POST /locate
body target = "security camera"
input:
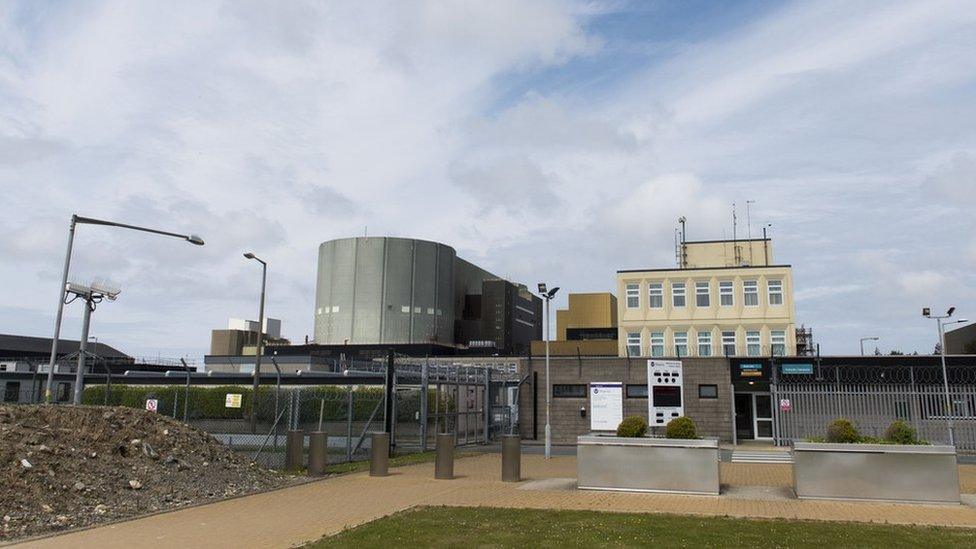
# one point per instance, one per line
(950, 311)
(926, 311)
(110, 292)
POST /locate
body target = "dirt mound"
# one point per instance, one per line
(63, 467)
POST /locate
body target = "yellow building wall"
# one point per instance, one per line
(723, 253)
(590, 310)
(591, 347)
(714, 318)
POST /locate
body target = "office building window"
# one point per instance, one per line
(726, 297)
(708, 391)
(702, 297)
(678, 294)
(633, 296)
(655, 295)
(775, 291)
(728, 343)
(750, 293)
(657, 343)
(681, 344)
(777, 340)
(569, 391)
(633, 344)
(637, 391)
(704, 344)
(753, 347)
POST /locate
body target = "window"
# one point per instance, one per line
(728, 343)
(681, 344)
(752, 344)
(678, 294)
(335, 308)
(775, 288)
(702, 297)
(708, 391)
(657, 343)
(637, 391)
(633, 296)
(633, 344)
(655, 295)
(726, 297)
(569, 391)
(704, 344)
(417, 310)
(405, 308)
(750, 293)
(777, 340)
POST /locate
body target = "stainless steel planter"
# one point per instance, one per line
(647, 464)
(876, 472)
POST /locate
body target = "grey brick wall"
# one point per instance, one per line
(712, 416)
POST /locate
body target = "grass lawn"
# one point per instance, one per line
(524, 528)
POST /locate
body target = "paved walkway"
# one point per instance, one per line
(293, 516)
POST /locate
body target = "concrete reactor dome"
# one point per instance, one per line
(385, 290)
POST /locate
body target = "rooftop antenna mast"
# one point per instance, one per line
(749, 227)
(735, 239)
(682, 255)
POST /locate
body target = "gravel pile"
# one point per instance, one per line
(63, 467)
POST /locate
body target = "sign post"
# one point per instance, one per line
(606, 406)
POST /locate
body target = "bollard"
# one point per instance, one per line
(444, 466)
(294, 450)
(317, 453)
(379, 454)
(511, 458)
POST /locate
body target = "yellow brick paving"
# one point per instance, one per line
(293, 516)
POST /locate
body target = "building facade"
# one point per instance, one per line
(719, 302)
(587, 327)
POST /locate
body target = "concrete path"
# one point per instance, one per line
(296, 515)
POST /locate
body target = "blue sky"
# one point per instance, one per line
(275, 127)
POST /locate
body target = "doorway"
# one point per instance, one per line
(753, 416)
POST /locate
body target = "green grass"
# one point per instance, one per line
(395, 461)
(524, 528)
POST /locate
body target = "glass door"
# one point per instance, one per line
(763, 415)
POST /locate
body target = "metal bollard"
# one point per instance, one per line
(379, 454)
(511, 458)
(444, 466)
(317, 453)
(294, 450)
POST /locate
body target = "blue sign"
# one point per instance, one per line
(750, 370)
(805, 368)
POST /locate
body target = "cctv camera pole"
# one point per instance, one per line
(548, 386)
(75, 219)
(945, 382)
(82, 350)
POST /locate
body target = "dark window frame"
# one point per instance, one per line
(636, 386)
(710, 385)
(580, 388)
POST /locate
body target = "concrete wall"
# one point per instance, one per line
(712, 416)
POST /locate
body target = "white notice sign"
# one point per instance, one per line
(152, 404)
(232, 400)
(606, 406)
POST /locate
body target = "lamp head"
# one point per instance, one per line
(195, 239)
(552, 292)
(926, 311)
(249, 255)
(950, 311)
(542, 287)
(963, 320)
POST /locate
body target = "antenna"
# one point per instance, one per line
(682, 255)
(749, 217)
(735, 239)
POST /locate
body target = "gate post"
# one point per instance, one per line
(487, 404)
(424, 388)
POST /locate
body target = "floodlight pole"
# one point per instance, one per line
(548, 387)
(82, 349)
(62, 290)
(260, 343)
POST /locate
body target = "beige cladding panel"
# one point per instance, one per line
(728, 253)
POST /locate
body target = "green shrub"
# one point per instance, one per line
(681, 427)
(842, 430)
(633, 426)
(900, 432)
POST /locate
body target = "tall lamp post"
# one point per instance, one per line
(547, 295)
(927, 313)
(260, 343)
(62, 290)
(863, 339)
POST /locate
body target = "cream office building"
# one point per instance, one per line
(727, 298)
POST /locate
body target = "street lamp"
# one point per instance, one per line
(76, 219)
(547, 295)
(926, 312)
(260, 346)
(863, 339)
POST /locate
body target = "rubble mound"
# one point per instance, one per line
(64, 467)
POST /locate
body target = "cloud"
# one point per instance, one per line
(956, 179)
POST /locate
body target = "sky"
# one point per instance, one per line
(545, 141)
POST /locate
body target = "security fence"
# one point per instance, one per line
(873, 399)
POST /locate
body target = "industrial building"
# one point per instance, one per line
(241, 337)
(961, 341)
(725, 298)
(587, 327)
(386, 290)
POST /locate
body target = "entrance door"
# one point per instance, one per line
(744, 423)
(763, 414)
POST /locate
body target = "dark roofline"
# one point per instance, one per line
(728, 240)
(679, 269)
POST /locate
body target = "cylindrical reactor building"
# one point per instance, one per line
(384, 290)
